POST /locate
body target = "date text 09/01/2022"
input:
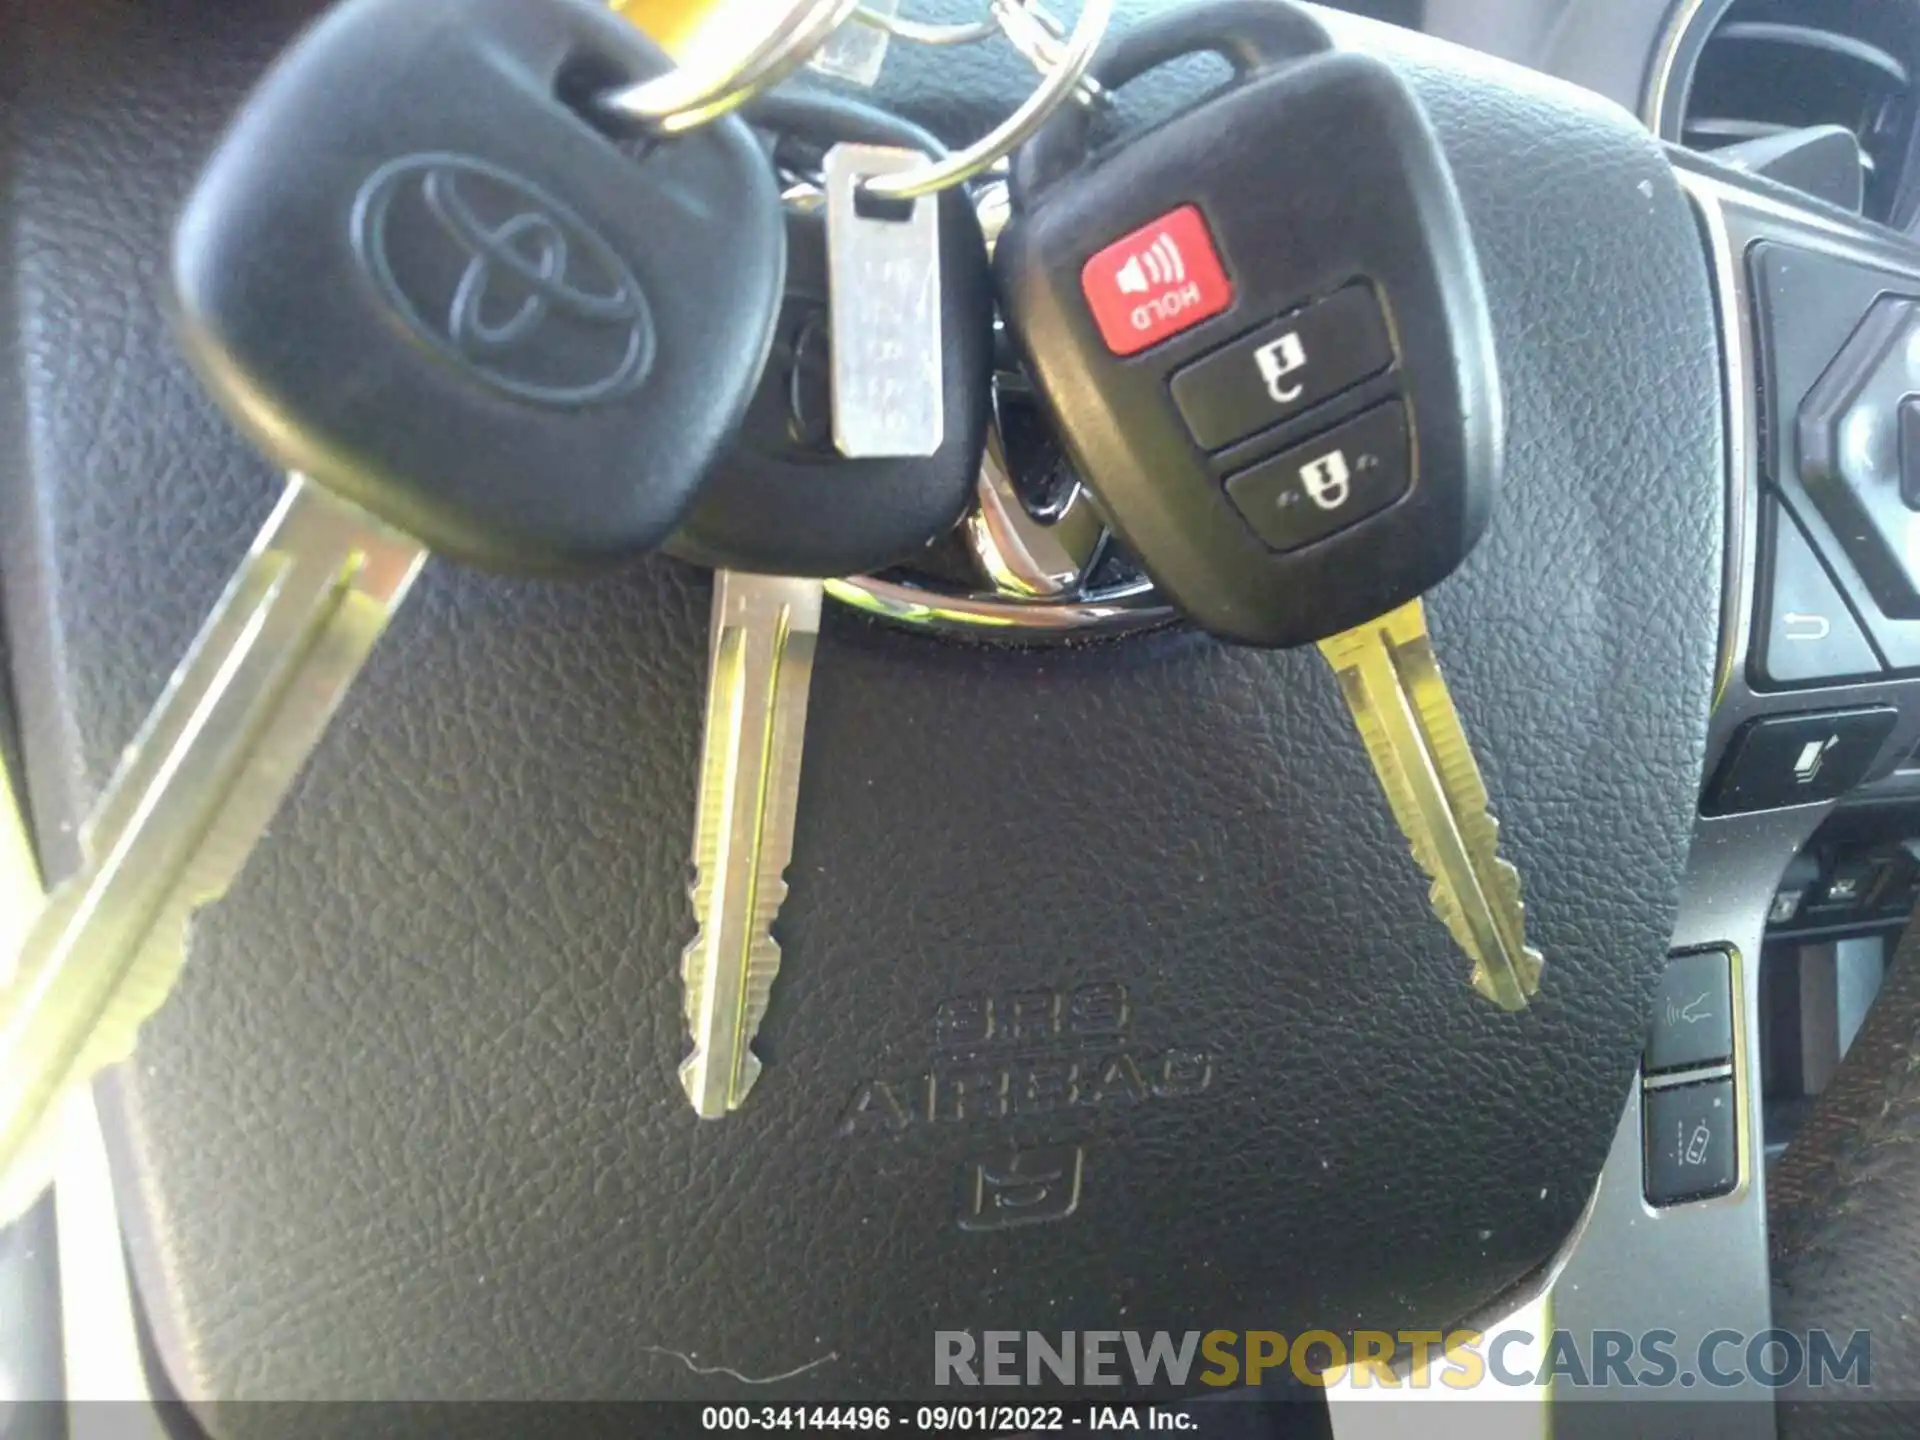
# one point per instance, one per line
(942, 1419)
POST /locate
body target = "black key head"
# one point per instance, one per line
(420, 270)
(1260, 328)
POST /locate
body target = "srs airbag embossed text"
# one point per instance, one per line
(1032, 1052)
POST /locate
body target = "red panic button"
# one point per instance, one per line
(1149, 286)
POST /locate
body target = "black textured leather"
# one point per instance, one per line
(411, 1125)
(1840, 1218)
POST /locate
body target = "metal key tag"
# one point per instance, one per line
(783, 500)
(883, 259)
(857, 50)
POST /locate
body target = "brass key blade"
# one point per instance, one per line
(1413, 735)
(761, 668)
(191, 797)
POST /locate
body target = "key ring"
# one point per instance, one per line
(1038, 35)
(1035, 32)
(922, 32)
(1065, 65)
(689, 97)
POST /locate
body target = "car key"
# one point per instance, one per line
(786, 508)
(1274, 366)
(759, 671)
(1406, 718)
(463, 319)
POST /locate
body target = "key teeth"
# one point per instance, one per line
(762, 969)
(1504, 893)
(690, 1077)
(1527, 973)
(1460, 777)
(1414, 671)
(155, 968)
(692, 995)
(147, 982)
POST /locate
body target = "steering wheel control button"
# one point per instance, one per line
(1692, 1141)
(1156, 282)
(1910, 451)
(1336, 480)
(488, 294)
(1855, 451)
(1692, 1014)
(1295, 537)
(1809, 635)
(1283, 369)
(1787, 760)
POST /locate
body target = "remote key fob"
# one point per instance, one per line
(1260, 328)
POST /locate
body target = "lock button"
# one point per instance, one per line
(1327, 483)
(1283, 369)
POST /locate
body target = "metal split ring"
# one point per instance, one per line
(695, 94)
(691, 95)
(1070, 65)
(920, 32)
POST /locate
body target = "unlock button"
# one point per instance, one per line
(1283, 368)
(1327, 483)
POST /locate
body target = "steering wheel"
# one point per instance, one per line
(410, 1127)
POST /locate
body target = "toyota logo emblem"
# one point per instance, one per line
(503, 280)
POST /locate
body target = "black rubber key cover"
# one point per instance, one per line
(1312, 174)
(421, 271)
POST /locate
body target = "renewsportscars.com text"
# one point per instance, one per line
(1456, 1360)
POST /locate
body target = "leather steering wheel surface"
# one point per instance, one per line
(411, 1127)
